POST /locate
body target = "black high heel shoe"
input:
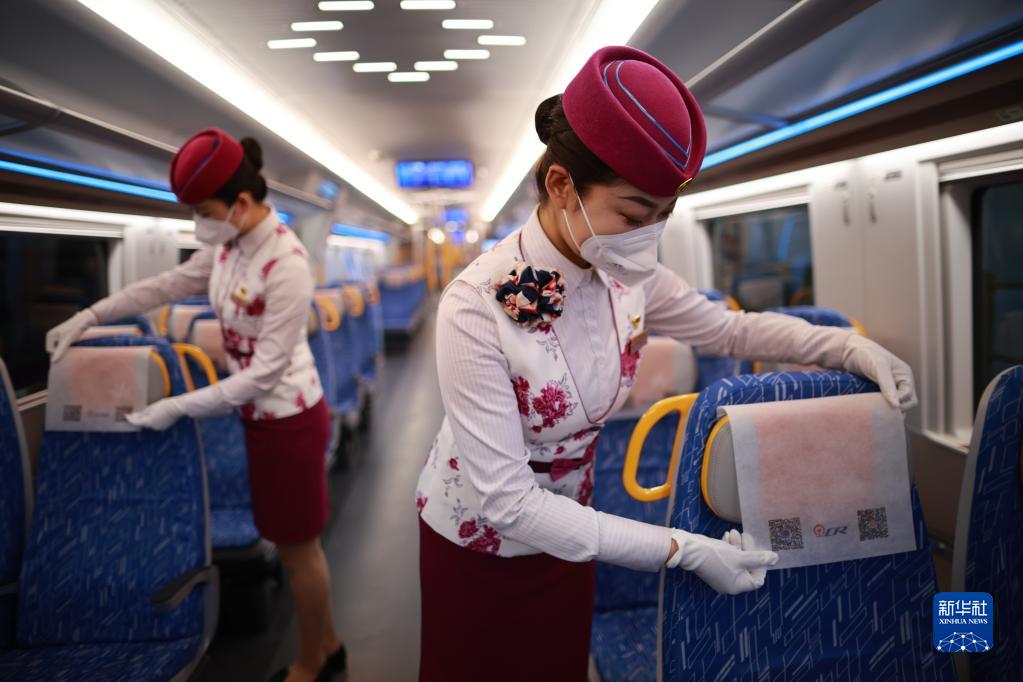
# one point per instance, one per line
(335, 664)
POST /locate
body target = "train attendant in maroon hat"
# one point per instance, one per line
(259, 282)
(537, 343)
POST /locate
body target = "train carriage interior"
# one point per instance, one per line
(863, 174)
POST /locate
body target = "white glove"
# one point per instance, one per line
(893, 376)
(67, 332)
(744, 541)
(725, 567)
(159, 416)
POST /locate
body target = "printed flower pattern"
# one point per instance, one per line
(630, 363)
(550, 406)
(479, 536)
(531, 296)
(521, 386)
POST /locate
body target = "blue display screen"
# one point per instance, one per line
(456, 215)
(452, 174)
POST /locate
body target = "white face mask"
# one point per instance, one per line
(629, 257)
(212, 231)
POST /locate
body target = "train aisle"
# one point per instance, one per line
(371, 540)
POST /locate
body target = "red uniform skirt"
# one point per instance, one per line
(287, 472)
(494, 618)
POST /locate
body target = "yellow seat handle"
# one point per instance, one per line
(189, 350)
(681, 404)
(331, 315)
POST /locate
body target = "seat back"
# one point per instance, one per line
(402, 292)
(179, 317)
(320, 327)
(118, 515)
(343, 349)
(988, 552)
(868, 619)
(15, 503)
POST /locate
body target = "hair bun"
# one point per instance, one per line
(253, 152)
(543, 120)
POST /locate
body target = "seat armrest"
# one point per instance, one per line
(170, 596)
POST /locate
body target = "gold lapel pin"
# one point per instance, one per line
(635, 321)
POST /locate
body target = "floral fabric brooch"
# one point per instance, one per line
(531, 296)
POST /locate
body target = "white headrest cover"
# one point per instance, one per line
(206, 334)
(101, 331)
(92, 388)
(181, 317)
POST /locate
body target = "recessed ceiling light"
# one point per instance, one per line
(466, 54)
(436, 66)
(317, 26)
(374, 67)
(427, 4)
(336, 56)
(468, 24)
(408, 77)
(513, 41)
(346, 5)
(290, 43)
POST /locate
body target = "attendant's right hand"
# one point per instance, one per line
(722, 564)
(64, 334)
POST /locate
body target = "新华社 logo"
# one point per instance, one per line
(964, 622)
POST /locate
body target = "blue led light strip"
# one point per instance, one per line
(87, 181)
(865, 104)
(360, 232)
(82, 168)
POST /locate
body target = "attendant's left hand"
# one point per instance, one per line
(893, 376)
(159, 416)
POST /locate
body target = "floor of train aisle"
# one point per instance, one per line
(371, 540)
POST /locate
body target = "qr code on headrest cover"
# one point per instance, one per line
(72, 413)
(786, 533)
(873, 523)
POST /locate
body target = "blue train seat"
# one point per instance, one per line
(319, 344)
(15, 504)
(117, 577)
(358, 306)
(850, 620)
(988, 552)
(177, 317)
(347, 399)
(402, 297)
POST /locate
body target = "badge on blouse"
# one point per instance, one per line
(636, 343)
(635, 320)
(241, 296)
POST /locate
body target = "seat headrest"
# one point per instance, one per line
(667, 368)
(206, 334)
(101, 331)
(332, 308)
(718, 479)
(93, 387)
(180, 318)
(355, 304)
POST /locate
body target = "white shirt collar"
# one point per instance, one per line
(540, 252)
(250, 242)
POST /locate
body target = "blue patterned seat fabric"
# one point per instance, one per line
(117, 516)
(868, 619)
(818, 315)
(994, 554)
(14, 503)
(323, 354)
(117, 662)
(402, 305)
(343, 344)
(227, 470)
(624, 644)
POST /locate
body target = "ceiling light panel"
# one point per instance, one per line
(291, 43)
(317, 26)
(509, 41)
(468, 24)
(374, 67)
(336, 56)
(436, 66)
(428, 4)
(408, 77)
(346, 5)
(466, 54)
(161, 31)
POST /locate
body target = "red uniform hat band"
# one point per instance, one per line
(204, 164)
(638, 117)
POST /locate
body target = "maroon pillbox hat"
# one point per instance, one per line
(639, 118)
(203, 164)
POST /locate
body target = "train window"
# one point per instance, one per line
(45, 279)
(997, 281)
(763, 258)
